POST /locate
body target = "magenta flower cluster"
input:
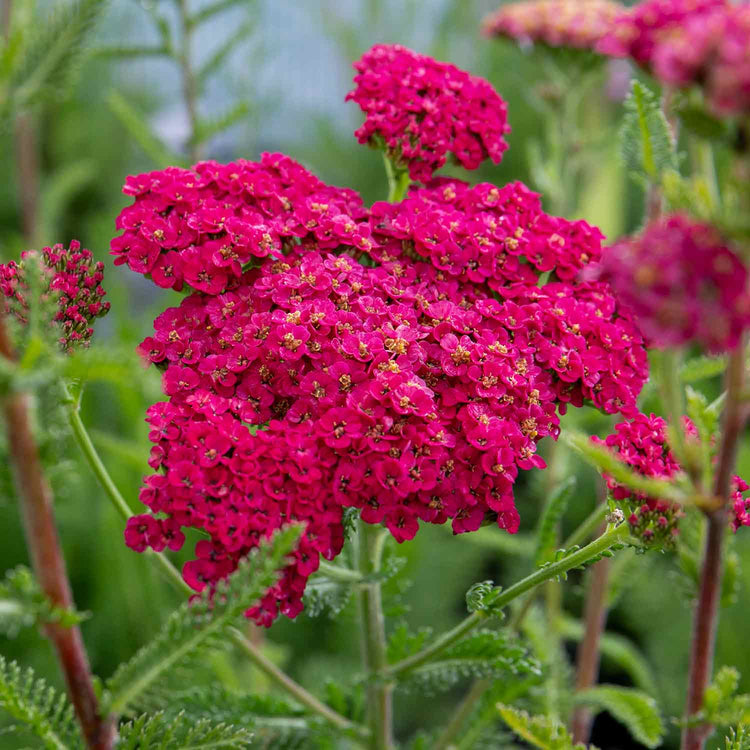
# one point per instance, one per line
(682, 282)
(690, 42)
(72, 278)
(642, 444)
(420, 110)
(404, 360)
(578, 24)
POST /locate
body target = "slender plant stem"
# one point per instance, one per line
(588, 526)
(706, 615)
(398, 181)
(613, 536)
(282, 680)
(372, 623)
(462, 713)
(47, 560)
(337, 573)
(189, 80)
(82, 437)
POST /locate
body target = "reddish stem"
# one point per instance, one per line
(706, 616)
(49, 566)
(587, 657)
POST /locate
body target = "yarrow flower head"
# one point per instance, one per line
(579, 24)
(682, 282)
(642, 444)
(703, 43)
(71, 278)
(420, 110)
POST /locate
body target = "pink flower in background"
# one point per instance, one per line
(420, 110)
(557, 23)
(682, 282)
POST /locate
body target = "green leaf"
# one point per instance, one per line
(207, 129)
(23, 604)
(721, 703)
(131, 52)
(738, 739)
(607, 461)
(52, 51)
(162, 732)
(140, 131)
(538, 731)
(483, 653)
(477, 596)
(41, 709)
(404, 642)
(547, 528)
(697, 120)
(647, 144)
(703, 368)
(633, 708)
(222, 52)
(212, 9)
(194, 628)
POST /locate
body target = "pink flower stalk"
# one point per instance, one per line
(420, 110)
(414, 388)
(580, 24)
(72, 279)
(682, 282)
(642, 444)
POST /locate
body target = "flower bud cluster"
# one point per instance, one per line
(72, 278)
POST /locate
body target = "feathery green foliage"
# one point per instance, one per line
(702, 368)
(162, 732)
(194, 628)
(538, 731)
(483, 653)
(47, 56)
(41, 709)
(547, 528)
(23, 604)
(722, 704)
(738, 739)
(647, 144)
(405, 642)
(633, 708)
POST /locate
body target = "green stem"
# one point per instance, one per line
(462, 713)
(282, 680)
(670, 361)
(189, 80)
(110, 488)
(589, 525)
(398, 181)
(613, 536)
(337, 573)
(372, 623)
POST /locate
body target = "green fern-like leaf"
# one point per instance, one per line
(648, 147)
(547, 529)
(52, 50)
(722, 704)
(23, 604)
(538, 731)
(702, 368)
(404, 642)
(39, 707)
(207, 129)
(738, 739)
(162, 732)
(194, 628)
(484, 653)
(633, 708)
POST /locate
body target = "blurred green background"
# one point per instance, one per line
(293, 68)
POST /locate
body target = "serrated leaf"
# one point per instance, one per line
(631, 707)
(538, 731)
(647, 144)
(202, 625)
(41, 709)
(738, 739)
(163, 732)
(721, 703)
(702, 368)
(404, 642)
(477, 596)
(547, 528)
(483, 653)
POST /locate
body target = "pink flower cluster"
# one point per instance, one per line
(682, 282)
(413, 385)
(690, 42)
(72, 279)
(420, 110)
(642, 444)
(580, 24)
